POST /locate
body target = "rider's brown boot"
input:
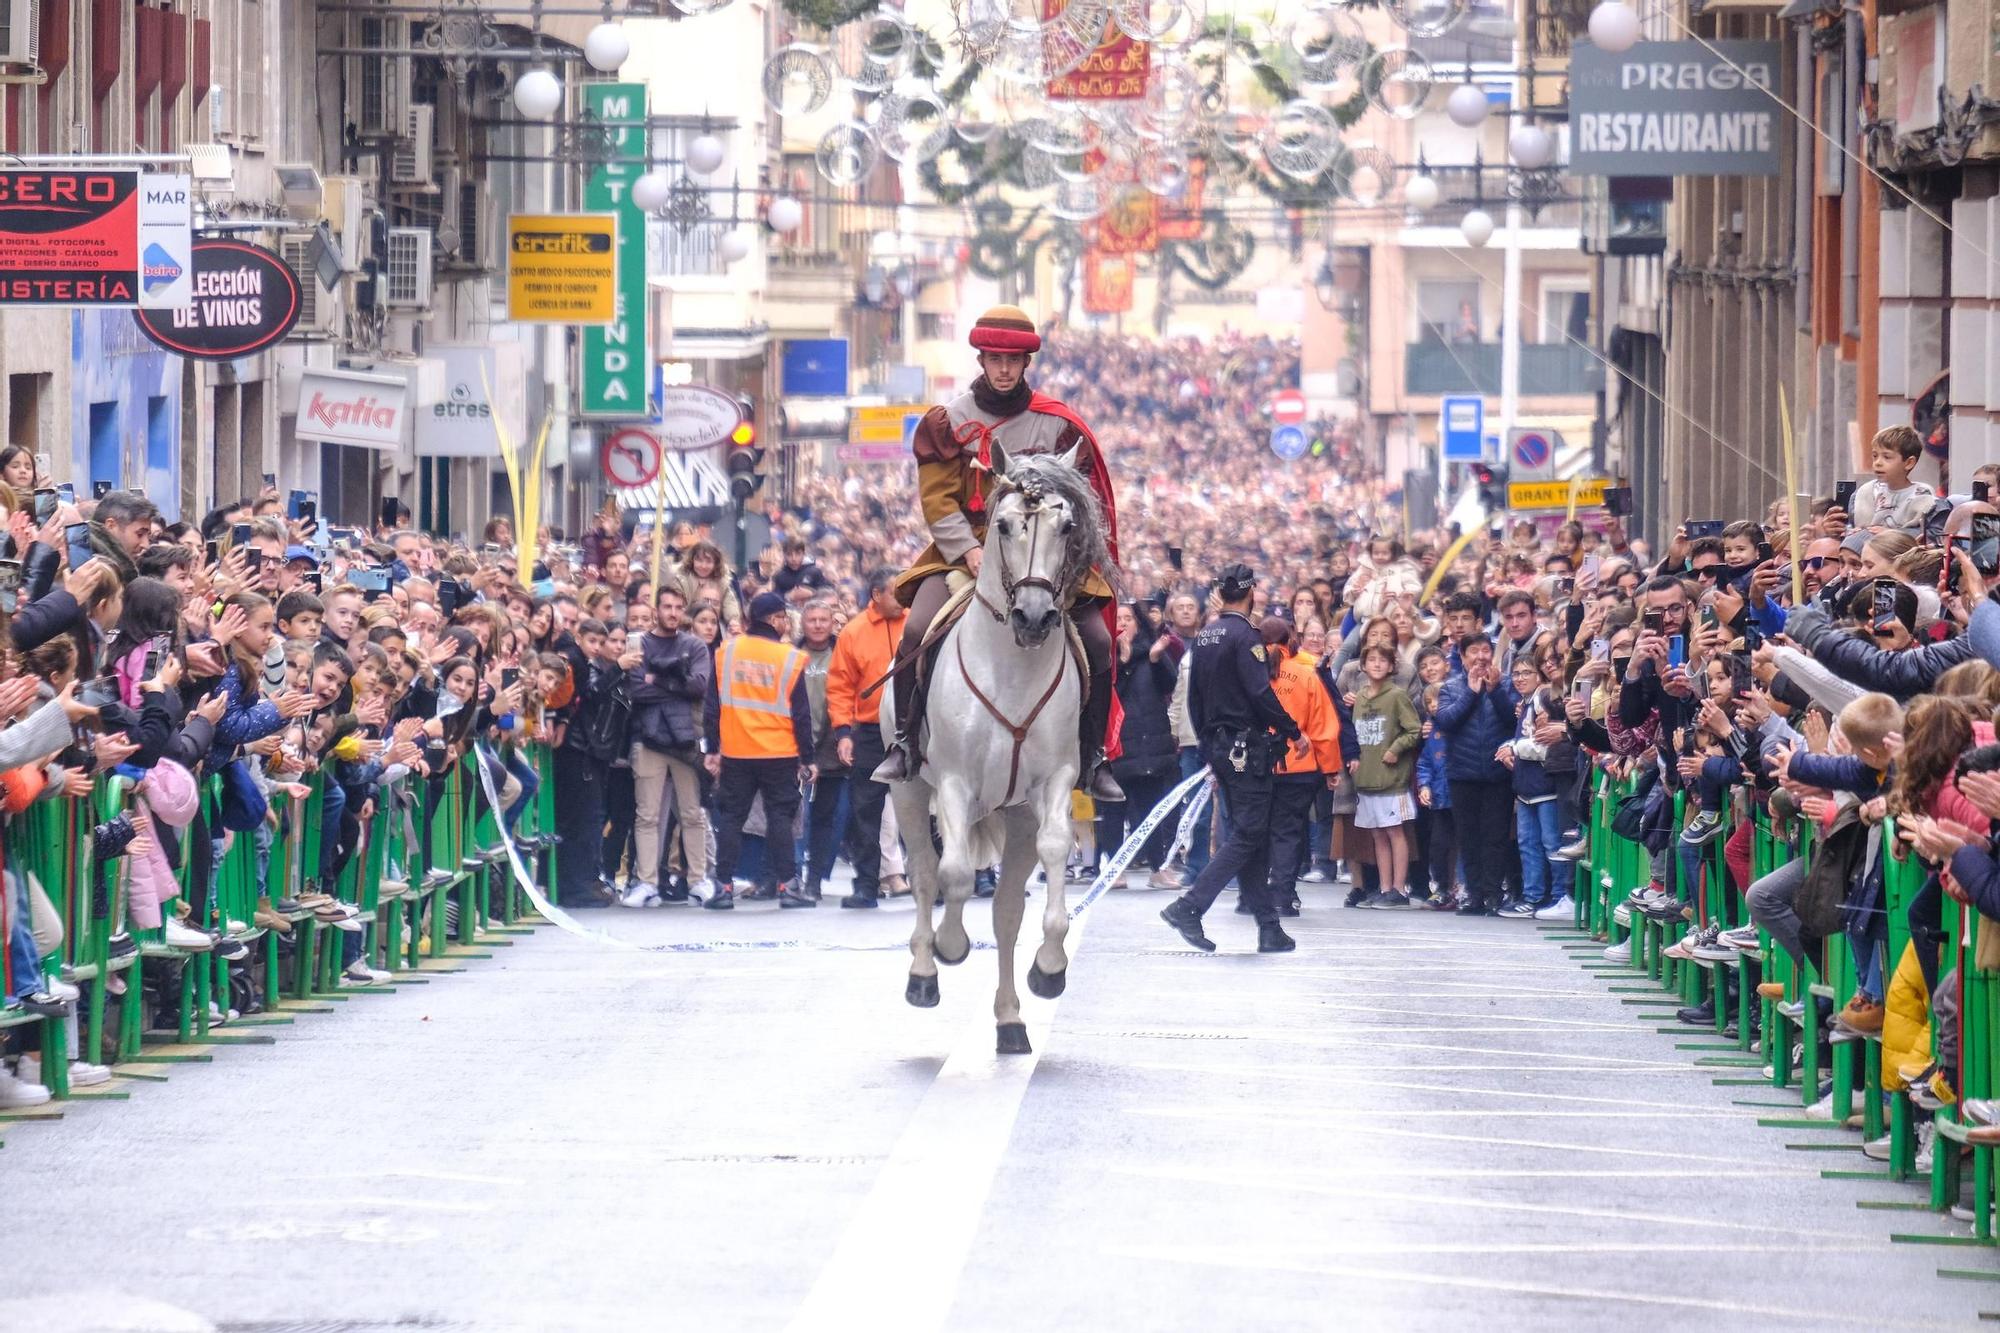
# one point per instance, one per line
(1100, 785)
(897, 765)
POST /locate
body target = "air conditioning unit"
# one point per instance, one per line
(317, 306)
(407, 273)
(346, 204)
(379, 85)
(20, 32)
(410, 164)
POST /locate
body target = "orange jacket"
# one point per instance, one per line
(1299, 690)
(861, 656)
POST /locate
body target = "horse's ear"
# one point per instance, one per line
(1072, 454)
(1000, 459)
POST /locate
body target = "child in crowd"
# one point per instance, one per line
(1437, 834)
(1891, 500)
(1388, 732)
(1537, 821)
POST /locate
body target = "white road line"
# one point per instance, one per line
(1818, 1315)
(1317, 1074)
(898, 1261)
(1294, 1184)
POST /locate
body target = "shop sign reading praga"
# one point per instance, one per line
(69, 238)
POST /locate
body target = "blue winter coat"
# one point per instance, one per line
(1475, 723)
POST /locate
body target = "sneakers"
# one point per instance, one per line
(1315, 876)
(1878, 1149)
(861, 900)
(1392, 902)
(721, 899)
(18, 1093)
(1357, 897)
(1931, 1090)
(639, 894)
(1573, 851)
(1792, 1009)
(1980, 1111)
(1620, 952)
(1562, 909)
(1703, 829)
(1743, 939)
(179, 936)
(1168, 877)
(1180, 914)
(360, 974)
(1517, 911)
(793, 895)
(1771, 990)
(1712, 948)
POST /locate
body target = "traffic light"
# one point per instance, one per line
(746, 460)
(1492, 486)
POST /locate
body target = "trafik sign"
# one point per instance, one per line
(615, 359)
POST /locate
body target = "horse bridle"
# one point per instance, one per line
(1009, 585)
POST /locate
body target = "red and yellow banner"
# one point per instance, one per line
(1107, 282)
(1181, 220)
(1115, 71)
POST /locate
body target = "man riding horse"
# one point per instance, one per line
(954, 448)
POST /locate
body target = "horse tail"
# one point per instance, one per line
(989, 839)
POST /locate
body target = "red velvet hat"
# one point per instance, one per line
(1005, 328)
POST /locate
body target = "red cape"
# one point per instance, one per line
(1100, 482)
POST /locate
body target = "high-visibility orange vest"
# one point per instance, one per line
(754, 677)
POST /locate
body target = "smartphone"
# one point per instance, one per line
(99, 489)
(509, 677)
(1653, 620)
(270, 481)
(77, 537)
(1843, 496)
(99, 693)
(448, 595)
(312, 580)
(1705, 527)
(1565, 587)
(45, 504)
(10, 585)
(1600, 650)
(1677, 651)
(1591, 565)
(239, 534)
(1174, 557)
(65, 492)
(369, 581)
(1980, 491)
(302, 507)
(390, 506)
(1764, 552)
(1884, 608)
(1582, 690)
(252, 558)
(212, 551)
(1709, 619)
(1618, 501)
(156, 653)
(1753, 638)
(1948, 569)
(1985, 547)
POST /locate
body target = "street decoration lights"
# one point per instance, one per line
(606, 47)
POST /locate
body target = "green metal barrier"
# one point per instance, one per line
(405, 864)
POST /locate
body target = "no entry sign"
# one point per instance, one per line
(1288, 407)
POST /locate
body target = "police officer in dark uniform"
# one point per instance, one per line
(1242, 728)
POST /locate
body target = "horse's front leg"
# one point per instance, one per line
(1010, 898)
(913, 815)
(1049, 972)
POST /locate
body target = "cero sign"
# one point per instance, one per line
(695, 416)
(245, 299)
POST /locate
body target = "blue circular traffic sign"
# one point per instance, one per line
(1288, 443)
(1531, 449)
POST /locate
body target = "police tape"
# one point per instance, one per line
(556, 916)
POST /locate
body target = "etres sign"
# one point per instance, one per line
(243, 299)
(481, 391)
(1675, 109)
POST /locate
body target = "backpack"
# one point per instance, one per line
(605, 720)
(1834, 863)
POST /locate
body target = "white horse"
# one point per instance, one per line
(1001, 754)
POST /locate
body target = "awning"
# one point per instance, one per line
(690, 482)
(721, 344)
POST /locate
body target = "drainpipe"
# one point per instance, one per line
(1862, 33)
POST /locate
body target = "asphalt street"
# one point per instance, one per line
(1413, 1122)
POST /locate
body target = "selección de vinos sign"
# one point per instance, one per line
(243, 299)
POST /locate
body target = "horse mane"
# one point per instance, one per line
(1035, 475)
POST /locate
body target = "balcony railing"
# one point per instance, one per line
(1546, 368)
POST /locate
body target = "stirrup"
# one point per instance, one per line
(898, 765)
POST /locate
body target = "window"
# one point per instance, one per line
(25, 396)
(1448, 311)
(939, 328)
(1565, 312)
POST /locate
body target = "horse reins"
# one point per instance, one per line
(1019, 733)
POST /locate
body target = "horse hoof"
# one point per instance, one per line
(922, 992)
(1047, 985)
(1014, 1039)
(963, 954)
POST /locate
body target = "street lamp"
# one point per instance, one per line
(785, 215)
(1477, 227)
(650, 191)
(537, 94)
(1324, 286)
(705, 155)
(1614, 26)
(607, 46)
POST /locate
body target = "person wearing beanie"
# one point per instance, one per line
(954, 445)
(759, 743)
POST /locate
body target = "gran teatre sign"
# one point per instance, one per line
(1675, 109)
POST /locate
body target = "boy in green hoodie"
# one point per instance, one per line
(1389, 733)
